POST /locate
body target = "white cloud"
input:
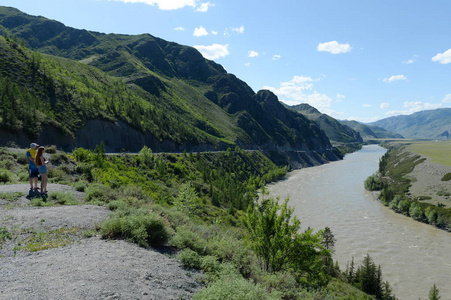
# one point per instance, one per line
(214, 51)
(443, 58)
(334, 47)
(275, 57)
(384, 105)
(214, 32)
(447, 98)
(367, 105)
(299, 90)
(164, 4)
(238, 30)
(340, 97)
(179, 29)
(252, 53)
(203, 7)
(411, 60)
(201, 31)
(413, 107)
(247, 64)
(394, 78)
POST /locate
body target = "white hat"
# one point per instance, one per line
(34, 145)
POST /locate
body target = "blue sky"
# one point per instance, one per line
(352, 59)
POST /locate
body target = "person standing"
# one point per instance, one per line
(33, 171)
(41, 162)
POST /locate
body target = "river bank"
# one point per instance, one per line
(411, 184)
(333, 195)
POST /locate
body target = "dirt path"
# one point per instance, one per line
(85, 268)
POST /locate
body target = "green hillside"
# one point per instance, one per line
(136, 90)
(371, 132)
(428, 124)
(335, 131)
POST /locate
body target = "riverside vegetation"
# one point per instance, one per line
(393, 183)
(207, 207)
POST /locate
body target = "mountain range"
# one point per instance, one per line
(427, 124)
(76, 88)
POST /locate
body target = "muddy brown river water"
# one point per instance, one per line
(413, 255)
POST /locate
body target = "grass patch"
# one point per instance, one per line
(4, 234)
(41, 201)
(63, 198)
(11, 196)
(39, 241)
(437, 151)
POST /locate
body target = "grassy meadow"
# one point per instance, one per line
(437, 151)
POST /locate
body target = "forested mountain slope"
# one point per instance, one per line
(132, 90)
(335, 131)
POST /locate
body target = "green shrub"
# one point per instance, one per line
(100, 192)
(230, 285)
(62, 198)
(81, 154)
(186, 237)
(6, 176)
(189, 258)
(415, 211)
(22, 159)
(79, 186)
(56, 175)
(174, 216)
(135, 192)
(7, 162)
(51, 149)
(210, 264)
(85, 169)
(446, 177)
(144, 230)
(117, 204)
(4, 234)
(67, 169)
(23, 176)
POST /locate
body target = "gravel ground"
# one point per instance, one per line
(426, 181)
(86, 268)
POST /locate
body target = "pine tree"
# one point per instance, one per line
(434, 293)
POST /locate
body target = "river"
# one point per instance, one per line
(413, 256)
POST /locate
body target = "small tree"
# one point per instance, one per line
(434, 293)
(275, 238)
(272, 228)
(187, 199)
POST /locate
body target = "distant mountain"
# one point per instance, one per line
(334, 129)
(371, 132)
(428, 124)
(76, 88)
